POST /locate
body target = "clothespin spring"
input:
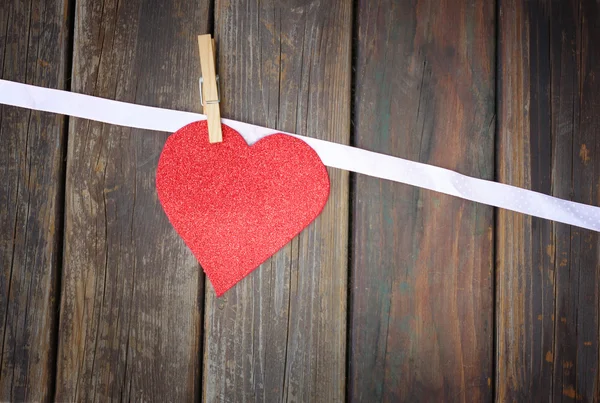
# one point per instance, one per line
(212, 101)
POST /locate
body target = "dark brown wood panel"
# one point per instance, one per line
(525, 255)
(280, 334)
(422, 265)
(548, 273)
(33, 50)
(131, 307)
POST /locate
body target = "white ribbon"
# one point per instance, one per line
(333, 154)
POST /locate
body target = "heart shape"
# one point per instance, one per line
(235, 205)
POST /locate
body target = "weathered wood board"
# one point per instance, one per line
(131, 306)
(421, 319)
(280, 334)
(33, 49)
(548, 273)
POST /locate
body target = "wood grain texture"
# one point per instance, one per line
(421, 305)
(33, 50)
(130, 319)
(548, 273)
(525, 255)
(280, 334)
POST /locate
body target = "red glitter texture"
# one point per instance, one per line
(235, 205)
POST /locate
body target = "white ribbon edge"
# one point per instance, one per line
(332, 154)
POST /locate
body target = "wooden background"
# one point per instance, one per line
(394, 293)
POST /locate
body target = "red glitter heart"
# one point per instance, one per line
(235, 205)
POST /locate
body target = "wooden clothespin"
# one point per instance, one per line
(209, 88)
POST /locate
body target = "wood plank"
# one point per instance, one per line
(421, 320)
(279, 335)
(548, 273)
(33, 42)
(525, 258)
(130, 319)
